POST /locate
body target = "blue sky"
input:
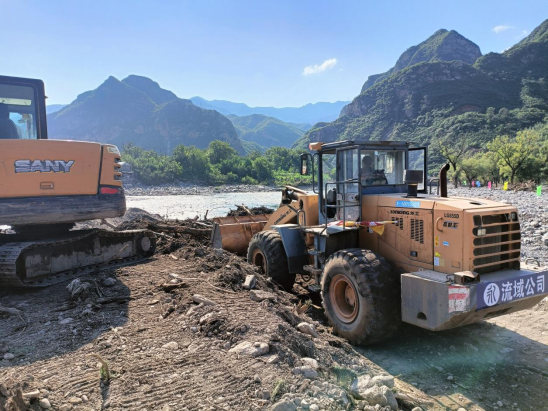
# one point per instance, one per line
(256, 52)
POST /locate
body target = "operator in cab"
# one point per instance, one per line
(8, 129)
(370, 175)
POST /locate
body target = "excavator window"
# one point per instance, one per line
(17, 112)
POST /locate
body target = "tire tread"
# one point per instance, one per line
(378, 285)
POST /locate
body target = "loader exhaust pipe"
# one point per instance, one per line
(443, 180)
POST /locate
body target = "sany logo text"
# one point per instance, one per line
(43, 166)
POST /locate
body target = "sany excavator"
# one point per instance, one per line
(381, 250)
(46, 186)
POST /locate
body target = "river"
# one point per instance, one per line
(189, 206)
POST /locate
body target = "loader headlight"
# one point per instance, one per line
(481, 232)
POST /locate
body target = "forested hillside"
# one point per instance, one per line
(137, 110)
(500, 93)
(264, 132)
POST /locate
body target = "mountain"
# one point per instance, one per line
(150, 88)
(538, 35)
(308, 114)
(203, 103)
(443, 45)
(500, 93)
(267, 131)
(137, 110)
(52, 108)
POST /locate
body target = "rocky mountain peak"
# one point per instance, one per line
(150, 88)
(137, 110)
(539, 34)
(443, 45)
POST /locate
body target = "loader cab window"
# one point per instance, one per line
(382, 167)
(17, 112)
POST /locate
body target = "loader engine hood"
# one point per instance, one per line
(30, 168)
(450, 234)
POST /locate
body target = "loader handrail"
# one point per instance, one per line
(437, 181)
(343, 206)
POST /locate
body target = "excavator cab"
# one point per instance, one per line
(22, 109)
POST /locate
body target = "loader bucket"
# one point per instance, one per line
(234, 233)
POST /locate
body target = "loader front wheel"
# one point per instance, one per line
(361, 296)
(266, 251)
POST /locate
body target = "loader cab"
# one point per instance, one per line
(22, 109)
(344, 171)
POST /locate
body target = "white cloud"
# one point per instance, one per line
(523, 34)
(501, 28)
(318, 68)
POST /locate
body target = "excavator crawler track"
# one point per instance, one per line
(46, 262)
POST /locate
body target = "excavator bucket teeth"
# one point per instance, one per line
(234, 233)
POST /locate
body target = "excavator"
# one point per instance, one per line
(46, 187)
(380, 250)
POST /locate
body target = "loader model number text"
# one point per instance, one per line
(451, 215)
(43, 166)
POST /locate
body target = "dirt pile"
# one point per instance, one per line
(524, 186)
(192, 329)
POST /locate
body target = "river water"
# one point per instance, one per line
(189, 206)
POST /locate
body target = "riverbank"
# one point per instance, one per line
(194, 189)
(208, 204)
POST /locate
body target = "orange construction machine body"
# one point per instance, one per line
(46, 186)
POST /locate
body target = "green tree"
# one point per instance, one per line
(219, 151)
(490, 164)
(282, 158)
(453, 147)
(262, 170)
(193, 161)
(513, 153)
(473, 168)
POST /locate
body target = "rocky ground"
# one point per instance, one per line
(182, 332)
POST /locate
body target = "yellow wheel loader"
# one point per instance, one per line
(382, 250)
(46, 186)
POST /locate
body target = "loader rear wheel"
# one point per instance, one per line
(361, 296)
(266, 250)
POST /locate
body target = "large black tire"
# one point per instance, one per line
(266, 250)
(361, 296)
